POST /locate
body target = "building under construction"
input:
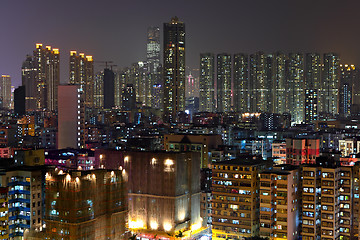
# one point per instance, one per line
(164, 193)
(86, 205)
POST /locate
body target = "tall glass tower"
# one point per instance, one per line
(174, 69)
(153, 64)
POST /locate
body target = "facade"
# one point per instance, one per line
(260, 88)
(164, 193)
(28, 77)
(128, 98)
(82, 73)
(99, 90)
(4, 213)
(108, 88)
(5, 91)
(312, 86)
(174, 69)
(235, 203)
(223, 73)
(71, 117)
(241, 83)
(302, 151)
(296, 94)
(278, 89)
(86, 205)
(330, 84)
(153, 65)
(279, 203)
(19, 100)
(207, 82)
(46, 61)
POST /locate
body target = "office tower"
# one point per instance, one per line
(296, 86)
(153, 64)
(330, 84)
(279, 203)
(71, 117)
(278, 93)
(28, 77)
(120, 83)
(207, 83)
(259, 88)
(99, 90)
(164, 192)
(174, 69)
(190, 87)
(157, 99)
(19, 100)
(236, 182)
(312, 86)
(302, 151)
(128, 98)
(82, 73)
(109, 84)
(5, 91)
(241, 83)
(85, 204)
(223, 82)
(47, 65)
(138, 77)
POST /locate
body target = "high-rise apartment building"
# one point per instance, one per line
(153, 77)
(5, 91)
(235, 203)
(174, 69)
(260, 88)
(128, 98)
(280, 202)
(99, 90)
(278, 89)
(108, 88)
(82, 73)
(329, 103)
(296, 85)
(28, 77)
(207, 82)
(312, 86)
(223, 82)
(46, 61)
(241, 83)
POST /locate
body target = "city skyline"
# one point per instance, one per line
(288, 27)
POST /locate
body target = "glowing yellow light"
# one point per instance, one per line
(136, 224)
(79, 168)
(61, 172)
(167, 226)
(93, 176)
(112, 173)
(89, 58)
(182, 215)
(196, 226)
(77, 179)
(169, 162)
(153, 161)
(68, 177)
(39, 45)
(48, 48)
(47, 176)
(56, 51)
(126, 159)
(72, 53)
(154, 225)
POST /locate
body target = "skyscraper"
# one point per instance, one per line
(348, 81)
(330, 84)
(174, 69)
(99, 90)
(82, 73)
(5, 91)
(28, 78)
(207, 82)
(47, 65)
(19, 100)
(223, 82)
(296, 93)
(241, 83)
(153, 64)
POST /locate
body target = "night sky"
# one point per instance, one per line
(116, 30)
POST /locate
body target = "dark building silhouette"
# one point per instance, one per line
(19, 100)
(109, 80)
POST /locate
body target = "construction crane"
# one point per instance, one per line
(107, 63)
